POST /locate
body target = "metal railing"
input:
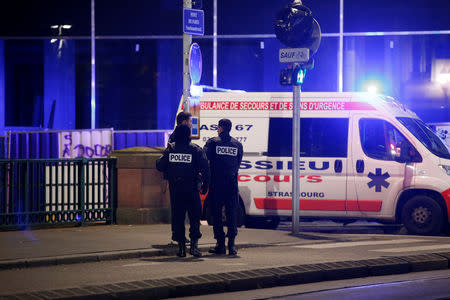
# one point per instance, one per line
(88, 143)
(57, 191)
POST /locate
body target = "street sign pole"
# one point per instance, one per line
(187, 40)
(297, 89)
(297, 29)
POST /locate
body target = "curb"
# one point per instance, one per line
(248, 279)
(102, 256)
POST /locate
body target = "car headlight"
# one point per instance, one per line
(446, 169)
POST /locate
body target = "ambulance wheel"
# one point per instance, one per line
(422, 215)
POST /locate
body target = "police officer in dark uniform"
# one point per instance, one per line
(184, 162)
(182, 118)
(186, 119)
(225, 155)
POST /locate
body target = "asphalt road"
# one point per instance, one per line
(423, 285)
(330, 248)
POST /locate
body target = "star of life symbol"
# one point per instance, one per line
(378, 180)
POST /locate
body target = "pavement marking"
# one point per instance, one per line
(411, 249)
(141, 264)
(361, 243)
(286, 244)
(233, 264)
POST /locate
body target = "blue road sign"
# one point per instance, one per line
(193, 21)
(195, 63)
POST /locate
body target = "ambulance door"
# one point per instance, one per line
(324, 147)
(323, 167)
(376, 178)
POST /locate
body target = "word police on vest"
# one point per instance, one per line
(180, 157)
(222, 150)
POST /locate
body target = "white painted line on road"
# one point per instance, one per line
(411, 249)
(233, 264)
(362, 243)
(141, 264)
(286, 244)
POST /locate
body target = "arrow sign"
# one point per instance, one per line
(288, 55)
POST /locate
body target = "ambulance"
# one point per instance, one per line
(362, 156)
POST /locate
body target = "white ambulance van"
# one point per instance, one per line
(363, 156)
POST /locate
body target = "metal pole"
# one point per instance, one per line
(2, 87)
(215, 45)
(92, 64)
(297, 88)
(187, 40)
(341, 47)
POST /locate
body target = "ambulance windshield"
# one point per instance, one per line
(426, 136)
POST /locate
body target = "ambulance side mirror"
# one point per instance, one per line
(405, 153)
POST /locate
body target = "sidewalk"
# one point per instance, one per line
(46, 247)
(109, 242)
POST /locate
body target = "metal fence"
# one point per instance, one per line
(140, 138)
(57, 191)
(88, 143)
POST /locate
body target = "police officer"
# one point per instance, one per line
(184, 162)
(186, 119)
(225, 155)
(182, 118)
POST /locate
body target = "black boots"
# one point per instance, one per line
(181, 249)
(219, 249)
(194, 251)
(231, 247)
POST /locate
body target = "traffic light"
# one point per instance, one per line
(293, 74)
(286, 76)
(295, 27)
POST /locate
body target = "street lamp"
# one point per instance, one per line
(60, 28)
(61, 41)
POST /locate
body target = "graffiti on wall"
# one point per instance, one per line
(87, 144)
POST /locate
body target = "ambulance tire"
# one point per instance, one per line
(422, 215)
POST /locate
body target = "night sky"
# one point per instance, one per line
(144, 17)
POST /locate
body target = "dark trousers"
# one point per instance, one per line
(225, 194)
(172, 209)
(185, 199)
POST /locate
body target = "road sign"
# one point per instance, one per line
(195, 63)
(193, 21)
(288, 55)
